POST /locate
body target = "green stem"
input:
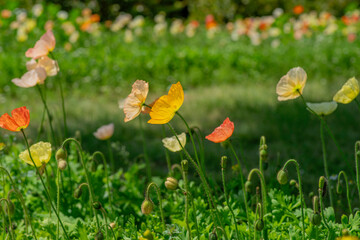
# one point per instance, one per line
(342, 173)
(241, 181)
(147, 161)
(41, 125)
(58, 201)
(300, 191)
(263, 187)
(357, 103)
(257, 213)
(9, 217)
(185, 172)
(167, 156)
(48, 113)
(357, 158)
(42, 181)
(111, 155)
(80, 151)
(325, 162)
(228, 203)
(201, 147)
(157, 189)
(106, 175)
(48, 185)
(22, 201)
(106, 223)
(322, 179)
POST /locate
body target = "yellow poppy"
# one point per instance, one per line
(324, 108)
(347, 238)
(2, 146)
(292, 84)
(348, 92)
(172, 144)
(166, 106)
(40, 153)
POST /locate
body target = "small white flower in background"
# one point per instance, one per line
(104, 132)
(172, 144)
(324, 108)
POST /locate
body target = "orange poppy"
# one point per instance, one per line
(221, 133)
(298, 9)
(20, 119)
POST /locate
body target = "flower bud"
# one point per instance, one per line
(263, 154)
(112, 225)
(345, 232)
(77, 193)
(248, 186)
(185, 165)
(322, 186)
(171, 183)
(259, 225)
(344, 219)
(97, 205)
(223, 162)
(315, 219)
(62, 164)
(99, 236)
(148, 235)
(294, 183)
(213, 236)
(315, 202)
(147, 206)
(282, 177)
(60, 154)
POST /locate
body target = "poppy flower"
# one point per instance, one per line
(134, 102)
(104, 132)
(298, 9)
(31, 78)
(172, 144)
(348, 92)
(166, 106)
(50, 66)
(221, 133)
(292, 84)
(40, 153)
(20, 119)
(347, 238)
(324, 108)
(42, 47)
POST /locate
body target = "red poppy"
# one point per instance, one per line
(298, 9)
(20, 119)
(221, 133)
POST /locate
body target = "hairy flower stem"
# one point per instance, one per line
(106, 175)
(48, 185)
(62, 99)
(58, 201)
(185, 173)
(91, 193)
(106, 223)
(44, 186)
(22, 201)
(321, 193)
(357, 159)
(301, 193)
(325, 162)
(111, 155)
(41, 125)
(167, 156)
(147, 161)
(342, 173)
(227, 201)
(258, 212)
(200, 138)
(213, 209)
(9, 217)
(241, 181)
(357, 103)
(147, 196)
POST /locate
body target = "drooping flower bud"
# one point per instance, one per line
(185, 165)
(294, 183)
(97, 205)
(60, 154)
(147, 206)
(223, 162)
(344, 219)
(171, 183)
(62, 164)
(77, 193)
(315, 202)
(259, 225)
(282, 177)
(248, 186)
(148, 235)
(315, 219)
(322, 186)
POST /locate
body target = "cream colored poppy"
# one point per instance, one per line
(348, 92)
(172, 144)
(134, 102)
(292, 84)
(324, 108)
(51, 67)
(40, 153)
(31, 78)
(42, 47)
(104, 132)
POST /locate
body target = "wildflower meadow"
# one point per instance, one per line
(180, 120)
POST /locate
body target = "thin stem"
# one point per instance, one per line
(263, 187)
(201, 147)
(22, 201)
(58, 201)
(300, 191)
(111, 155)
(106, 223)
(147, 161)
(258, 212)
(342, 173)
(325, 162)
(157, 189)
(42, 181)
(106, 175)
(48, 185)
(185, 172)
(357, 103)
(9, 217)
(228, 203)
(241, 181)
(322, 204)
(357, 158)
(48, 113)
(79, 148)
(41, 125)
(194, 215)
(167, 156)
